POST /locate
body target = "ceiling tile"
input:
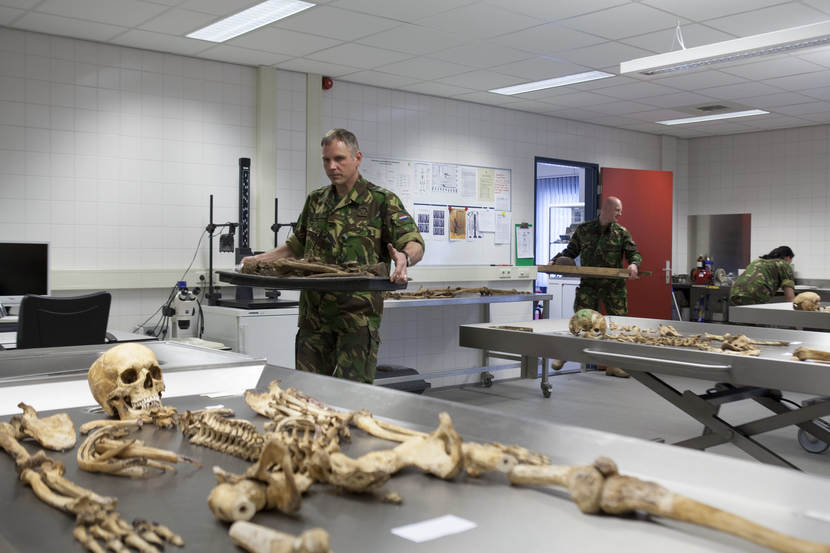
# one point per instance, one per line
(740, 90)
(481, 80)
(819, 55)
(770, 101)
(620, 107)
(702, 10)
(547, 39)
(821, 5)
(335, 23)
(678, 100)
(580, 99)
(487, 98)
(478, 21)
(312, 66)
(7, 15)
(22, 4)
(696, 80)
(666, 41)
(412, 39)
(768, 19)
(801, 82)
(602, 55)
(125, 13)
(636, 90)
(218, 7)
(357, 55)
(425, 68)
(435, 89)
(65, 26)
(159, 42)
(243, 56)
(804, 109)
(769, 69)
(401, 11)
(178, 22)
(282, 41)
(550, 11)
(537, 69)
(481, 54)
(376, 78)
(623, 21)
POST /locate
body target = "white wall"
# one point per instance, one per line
(110, 153)
(780, 177)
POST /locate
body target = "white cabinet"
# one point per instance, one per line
(563, 291)
(267, 333)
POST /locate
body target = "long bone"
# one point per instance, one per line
(95, 515)
(803, 353)
(260, 539)
(600, 488)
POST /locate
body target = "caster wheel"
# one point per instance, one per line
(811, 444)
(486, 380)
(546, 390)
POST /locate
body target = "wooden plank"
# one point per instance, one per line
(572, 270)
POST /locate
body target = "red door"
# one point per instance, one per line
(647, 214)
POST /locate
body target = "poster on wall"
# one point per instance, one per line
(439, 224)
(468, 183)
(423, 218)
(502, 227)
(444, 179)
(458, 223)
(486, 184)
(501, 189)
(422, 177)
(474, 231)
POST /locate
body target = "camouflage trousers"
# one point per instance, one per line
(613, 297)
(351, 355)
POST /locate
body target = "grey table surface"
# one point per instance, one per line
(780, 314)
(774, 368)
(507, 518)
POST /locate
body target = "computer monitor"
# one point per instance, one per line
(24, 269)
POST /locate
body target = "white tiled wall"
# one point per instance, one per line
(415, 126)
(781, 177)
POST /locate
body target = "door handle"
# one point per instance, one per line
(667, 269)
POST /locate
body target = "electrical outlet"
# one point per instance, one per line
(504, 272)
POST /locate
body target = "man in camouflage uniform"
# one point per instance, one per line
(603, 243)
(763, 277)
(351, 220)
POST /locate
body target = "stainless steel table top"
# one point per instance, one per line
(781, 315)
(507, 518)
(466, 300)
(774, 368)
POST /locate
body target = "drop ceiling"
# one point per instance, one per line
(460, 49)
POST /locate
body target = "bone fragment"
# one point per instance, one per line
(55, 432)
(803, 353)
(601, 488)
(260, 539)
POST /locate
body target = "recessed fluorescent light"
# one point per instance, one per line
(250, 19)
(775, 42)
(685, 120)
(552, 83)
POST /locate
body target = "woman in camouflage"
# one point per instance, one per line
(763, 277)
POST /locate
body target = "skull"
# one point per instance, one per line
(126, 379)
(588, 321)
(807, 301)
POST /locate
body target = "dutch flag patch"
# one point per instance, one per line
(402, 218)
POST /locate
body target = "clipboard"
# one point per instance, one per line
(524, 241)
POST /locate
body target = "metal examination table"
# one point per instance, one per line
(507, 518)
(737, 377)
(780, 315)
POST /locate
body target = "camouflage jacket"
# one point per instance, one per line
(601, 246)
(761, 279)
(356, 227)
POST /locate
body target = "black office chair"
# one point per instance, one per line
(48, 321)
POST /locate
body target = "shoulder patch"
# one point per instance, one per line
(403, 217)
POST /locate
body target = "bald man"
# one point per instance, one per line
(604, 243)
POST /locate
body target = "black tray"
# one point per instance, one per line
(326, 284)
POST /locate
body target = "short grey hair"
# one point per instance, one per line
(346, 137)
